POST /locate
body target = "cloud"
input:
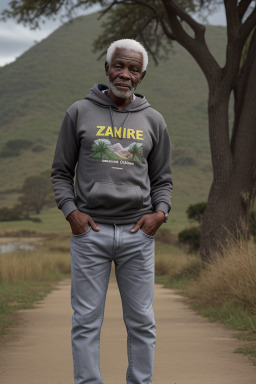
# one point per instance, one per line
(15, 38)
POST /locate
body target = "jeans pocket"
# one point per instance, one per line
(145, 234)
(81, 234)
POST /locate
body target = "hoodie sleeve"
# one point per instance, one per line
(64, 164)
(160, 174)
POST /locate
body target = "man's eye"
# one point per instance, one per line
(134, 70)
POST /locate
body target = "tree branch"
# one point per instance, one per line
(141, 2)
(197, 46)
(242, 7)
(248, 25)
(166, 31)
(234, 44)
(106, 10)
(199, 29)
(233, 20)
(240, 88)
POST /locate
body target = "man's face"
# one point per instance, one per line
(125, 72)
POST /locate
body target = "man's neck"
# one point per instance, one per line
(120, 102)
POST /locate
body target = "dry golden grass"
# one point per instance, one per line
(231, 278)
(171, 261)
(51, 257)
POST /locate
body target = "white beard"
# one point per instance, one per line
(119, 93)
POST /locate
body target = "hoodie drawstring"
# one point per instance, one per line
(112, 119)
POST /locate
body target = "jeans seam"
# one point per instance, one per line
(129, 349)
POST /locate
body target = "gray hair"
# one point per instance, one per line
(130, 44)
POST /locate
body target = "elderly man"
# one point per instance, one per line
(118, 149)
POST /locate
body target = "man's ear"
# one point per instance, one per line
(143, 75)
(106, 68)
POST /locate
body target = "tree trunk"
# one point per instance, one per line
(225, 219)
(234, 169)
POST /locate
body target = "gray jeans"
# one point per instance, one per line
(92, 254)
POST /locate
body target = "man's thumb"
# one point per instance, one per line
(94, 225)
(136, 227)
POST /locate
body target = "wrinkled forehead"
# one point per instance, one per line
(127, 55)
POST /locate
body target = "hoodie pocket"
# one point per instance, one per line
(115, 197)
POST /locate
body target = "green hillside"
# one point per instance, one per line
(38, 87)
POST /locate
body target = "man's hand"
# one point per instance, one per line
(80, 222)
(149, 223)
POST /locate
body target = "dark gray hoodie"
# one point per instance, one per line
(120, 159)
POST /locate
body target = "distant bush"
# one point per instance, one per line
(184, 156)
(13, 148)
(196, 211)
(190, 237)
(11, 214)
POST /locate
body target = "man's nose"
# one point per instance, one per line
(125, 74)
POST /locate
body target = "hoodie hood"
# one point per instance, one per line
(97, 96)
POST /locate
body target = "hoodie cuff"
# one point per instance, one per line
(68, 207)
(164, 207)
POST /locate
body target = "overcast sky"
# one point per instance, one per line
(15, 38)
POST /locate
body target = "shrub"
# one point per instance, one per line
(11, 214)
(230, 278)
(14, 147)
(190, 237)
(196, 211)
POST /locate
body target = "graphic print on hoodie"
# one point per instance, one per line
(121, 158)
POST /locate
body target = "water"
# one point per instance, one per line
(12, 247)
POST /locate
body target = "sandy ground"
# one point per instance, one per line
(190, 350)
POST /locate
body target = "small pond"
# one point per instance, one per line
(4, 248)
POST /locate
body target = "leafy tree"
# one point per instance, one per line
(196, 211)
(190, 237)
(101, 146)
(135, 149)
(36, 191)
(159, 22)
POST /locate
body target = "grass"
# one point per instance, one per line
(51, 221)
(231, 278)
(28, 276)
(19, 295)
(248, 349)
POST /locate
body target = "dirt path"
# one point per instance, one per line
(190, 350)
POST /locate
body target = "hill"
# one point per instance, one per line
(39, 86)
